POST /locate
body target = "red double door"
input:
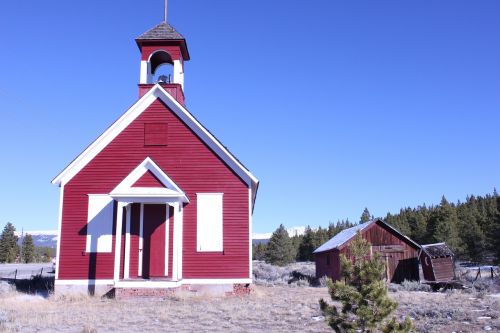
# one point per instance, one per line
(154, 241)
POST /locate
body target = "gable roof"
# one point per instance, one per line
(162, 31)
(157, 92)
(337, 241)
(437, 250)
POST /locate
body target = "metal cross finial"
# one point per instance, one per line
(166, 10)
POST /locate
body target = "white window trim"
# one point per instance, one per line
(89, 236)
(198, 231)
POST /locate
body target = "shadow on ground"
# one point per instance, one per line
(36, 285)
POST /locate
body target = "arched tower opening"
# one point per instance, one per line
(162, 67)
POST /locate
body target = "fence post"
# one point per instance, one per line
(15, 275)
(491, 268)
(41, 272)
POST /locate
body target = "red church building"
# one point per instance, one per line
(156, 202)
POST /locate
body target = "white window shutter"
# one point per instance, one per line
(209, 222)
(100, 224)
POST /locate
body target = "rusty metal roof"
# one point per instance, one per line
(347, 234)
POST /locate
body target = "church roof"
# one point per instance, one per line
(162, 31)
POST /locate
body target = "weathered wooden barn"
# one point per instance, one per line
(157, 201)
(438, 263)
(399, 252)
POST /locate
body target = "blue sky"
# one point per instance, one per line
(333, 105)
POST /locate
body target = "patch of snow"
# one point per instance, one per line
(30, 298)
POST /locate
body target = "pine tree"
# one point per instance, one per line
(496, 230)
(366, 216)
(443, 226)
(307, 246)
(28, 249)
(366, 305)
(8, 244)
(259, 251)
(279, 250)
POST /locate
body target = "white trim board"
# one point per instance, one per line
(59, 229)
(150, 284)
(157, 92)
(126, 192)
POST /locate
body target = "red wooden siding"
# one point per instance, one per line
(192, 165)
(324, 269)
(443, 268)
(148, 180)
(155, 134)
(426, 263)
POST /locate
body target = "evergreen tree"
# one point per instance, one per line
(365, 217)
(296, 241)
(279, 249)
(259, 251)
(28, 249)
(307, 246)
(8, 244)
(366, 305)
(321, 237)
(443, 226)
(496, 230)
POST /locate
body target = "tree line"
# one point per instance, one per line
(470, 228)
(11, 252)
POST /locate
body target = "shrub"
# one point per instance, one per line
(415, 286)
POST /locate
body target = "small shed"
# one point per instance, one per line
(399, 252)
(438, 264)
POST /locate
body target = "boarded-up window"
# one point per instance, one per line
(209, 222)
(100, 223)
(155, 134)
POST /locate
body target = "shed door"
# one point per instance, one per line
(154, 241)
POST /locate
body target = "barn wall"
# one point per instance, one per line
(323, 269)
(401, 264)
(192, 165)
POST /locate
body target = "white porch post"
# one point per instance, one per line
(141, 238)
(126, 267)
(177, 245)
(167, 234)
(118, 238)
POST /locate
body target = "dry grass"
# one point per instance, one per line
(267, 309)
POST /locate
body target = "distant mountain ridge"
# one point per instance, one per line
(46, 238)
(293, 231)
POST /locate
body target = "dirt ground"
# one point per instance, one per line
(267, 309)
